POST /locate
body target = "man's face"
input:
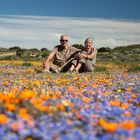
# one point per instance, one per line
(64, 40)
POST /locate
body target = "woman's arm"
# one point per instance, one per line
(92, 55)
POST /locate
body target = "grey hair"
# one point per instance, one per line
(89, 39)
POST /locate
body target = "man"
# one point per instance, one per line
(61, 56)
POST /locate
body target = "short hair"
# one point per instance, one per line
(89, 39)
(63, 36)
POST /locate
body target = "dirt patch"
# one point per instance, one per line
(7, 54)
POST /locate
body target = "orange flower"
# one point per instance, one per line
(71, 89)
(44, 97)
(71, 104)
(79, 116)
(23, 111)
(60, 107)
(131, 138)
(54, 97)
(76, 78)
(134, 96)
(128, 125)
(3, 119)
(11, 107)
(27, 94)
(17, 125)
(115, 102)
(93, 85)
(125, 105)
(86, 99)
(73, 110)
(127, 114)
(108, 126)
(6, 83)
(87, 106)
(130, 100)
(14, 127)
(58, 93)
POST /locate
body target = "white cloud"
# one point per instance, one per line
(42, 31)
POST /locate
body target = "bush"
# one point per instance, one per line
(15, 48)
(104, 49)
(134, 68)
(20, 53)
(79, 46)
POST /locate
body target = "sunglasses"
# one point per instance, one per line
(64, 40)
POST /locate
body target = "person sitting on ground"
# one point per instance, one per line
(87, 60)
(60, 55)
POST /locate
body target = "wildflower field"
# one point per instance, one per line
(88, 106)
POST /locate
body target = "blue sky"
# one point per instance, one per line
(125, 9)
(39, 23)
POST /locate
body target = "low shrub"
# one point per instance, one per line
(134, 68)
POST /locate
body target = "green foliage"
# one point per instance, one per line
(45, 53)
(8, 58)
(104, 49)
(127, 48)
(26, 56)
(34, 49)
(44, 49)
(79, 46)
(15, 48)
(134, 68)
(3, 49)
(20, 53)
(101, 69)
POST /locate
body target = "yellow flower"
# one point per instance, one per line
(65, 103)
(119, 90)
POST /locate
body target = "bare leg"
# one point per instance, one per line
(78, 67)
(72, 68)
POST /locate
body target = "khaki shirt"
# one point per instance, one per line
(62, 55)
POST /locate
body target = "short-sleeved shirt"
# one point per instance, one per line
(62, 55)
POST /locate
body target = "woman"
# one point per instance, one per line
(87, 59)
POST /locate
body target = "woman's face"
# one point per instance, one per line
(88, 44)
